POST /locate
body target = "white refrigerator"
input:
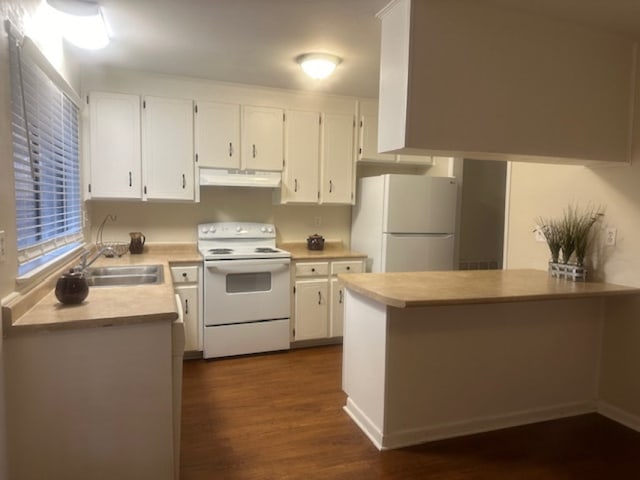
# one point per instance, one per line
(405, 223)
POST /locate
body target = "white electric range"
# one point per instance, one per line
(246, 289)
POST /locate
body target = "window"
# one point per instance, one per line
(46, 163)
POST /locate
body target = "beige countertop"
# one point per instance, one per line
(331, 250)
(416, 289)
(104, 306)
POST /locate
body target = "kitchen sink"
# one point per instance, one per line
(125, 275)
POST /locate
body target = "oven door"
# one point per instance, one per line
(240, 291)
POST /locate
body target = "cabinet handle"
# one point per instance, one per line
(348, 267)
(340, 294)
(313, 269)
(231, 149)
(254, 151)
(186, 306)
(319, 298)
(184, 275)
(330, 186)
(184, 181)
(130, 179)
(295, 185)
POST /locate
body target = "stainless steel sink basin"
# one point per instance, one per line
(125, 275)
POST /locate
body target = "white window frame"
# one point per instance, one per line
(47, 165)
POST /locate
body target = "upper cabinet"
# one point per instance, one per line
(337, 179)
(368, 140)
(469, 79)
(302, 157)
(218, 135)
(262, 138)
(167, 149)
(115, 166)
(319, 165)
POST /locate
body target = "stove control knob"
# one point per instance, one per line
(270, 230)
(238, 229)
(205, 229)
(263, 229)
(212, 230)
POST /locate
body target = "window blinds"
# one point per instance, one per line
(46, 163)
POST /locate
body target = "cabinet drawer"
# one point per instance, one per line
(350, 266)
(187, 274)
(312, 269)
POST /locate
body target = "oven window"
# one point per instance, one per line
(248, 282)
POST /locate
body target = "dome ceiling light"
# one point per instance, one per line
(81, 23)
(318, 65)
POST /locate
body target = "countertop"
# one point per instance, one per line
(105, 306)
(417, 289)
(331, 250)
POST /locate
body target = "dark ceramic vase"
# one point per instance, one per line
(72, 288)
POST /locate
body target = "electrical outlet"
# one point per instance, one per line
(611, 236)
(3, 247)
(317, 221)
(539, 235)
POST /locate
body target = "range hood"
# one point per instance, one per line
(239, 178)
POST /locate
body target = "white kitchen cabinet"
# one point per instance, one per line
(217, 135)
(368, 141)
(337, 178)
(302, 157)
(187, 284)
(336, 316)
(554, 92)
(262, 138)
(115, 146)
(167, 149)
(312, 300)
(318, 297)
(368, 145)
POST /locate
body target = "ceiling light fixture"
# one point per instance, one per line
(81, 23)
(318, 65)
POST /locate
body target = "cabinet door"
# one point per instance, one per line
(302, 157)
(336, 319)
(115, 158)
(167, 149)
(189, 297)
(262, 138)
(311, 310)
(337, 159)
(368, 149)
(218, 135)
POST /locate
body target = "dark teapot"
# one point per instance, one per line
(72, 288)
(315, 242)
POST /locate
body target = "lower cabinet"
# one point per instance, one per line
(318, 298)
(187, 284)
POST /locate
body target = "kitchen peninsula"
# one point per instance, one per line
(429, 355)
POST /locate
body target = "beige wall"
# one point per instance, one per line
(25, 15)
(545, 190)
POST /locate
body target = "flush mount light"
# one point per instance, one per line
(81, 23)
(318, 65)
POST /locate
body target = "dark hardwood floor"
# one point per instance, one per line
(279, 416)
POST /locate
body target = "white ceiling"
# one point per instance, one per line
(256, 41)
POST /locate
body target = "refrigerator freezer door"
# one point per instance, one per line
(417, 253)
(420, 204)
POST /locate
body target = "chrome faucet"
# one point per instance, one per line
(84, 264)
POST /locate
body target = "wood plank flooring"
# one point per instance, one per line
(279, 416)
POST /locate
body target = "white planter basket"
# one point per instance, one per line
(568, 271)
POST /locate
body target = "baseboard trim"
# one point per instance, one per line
(364, 423)
(470, 426)
(620, 416)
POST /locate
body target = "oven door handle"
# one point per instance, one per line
(262, 264)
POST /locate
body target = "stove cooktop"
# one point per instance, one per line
(238, 240)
